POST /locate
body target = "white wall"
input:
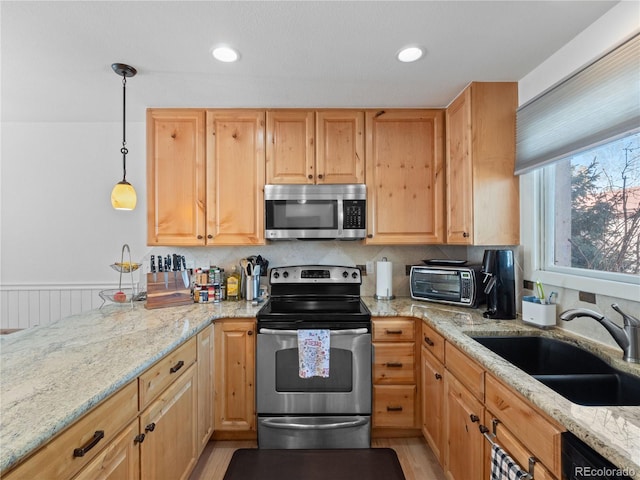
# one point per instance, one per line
(618, 24)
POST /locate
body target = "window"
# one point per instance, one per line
(581, 138)
(591, 207)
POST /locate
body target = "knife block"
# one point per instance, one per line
(171, 293)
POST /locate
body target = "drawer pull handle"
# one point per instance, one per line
(176, 367)
(438, 376)
(474, 418)
(428, 341)
(393, 332)
(139, 438)
(97, 436)
(394, 409)
(150, 428)
(394, 364)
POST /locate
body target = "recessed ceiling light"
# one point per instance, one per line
(225, 54)
(410, 54)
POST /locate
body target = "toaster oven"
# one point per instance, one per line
(453, 285)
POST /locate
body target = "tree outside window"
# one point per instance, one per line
(597, 208)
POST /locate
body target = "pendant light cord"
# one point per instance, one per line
(124, 150)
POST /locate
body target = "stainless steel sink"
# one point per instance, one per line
(576, 374)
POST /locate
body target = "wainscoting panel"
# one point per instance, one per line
(25, 306)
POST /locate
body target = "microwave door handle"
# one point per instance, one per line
(350, 331)
(437, 272)
(273, 423)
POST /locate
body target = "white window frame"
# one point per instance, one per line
(615, 285)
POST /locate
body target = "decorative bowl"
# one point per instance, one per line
(125, 295)
(125, 267)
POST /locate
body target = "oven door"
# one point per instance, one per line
(281, 391)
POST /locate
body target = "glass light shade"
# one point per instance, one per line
(123, 196)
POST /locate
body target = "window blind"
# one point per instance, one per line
(598, 103)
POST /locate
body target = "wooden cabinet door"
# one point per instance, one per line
(169, 450)
(339, 146)
(205, 387)
(405, 176)
(459, 172)
(235, 375)
(175, 177)
(235, 177)
(463, 450)
(432, 402)
(482, 191)
(120, 460)
(290, 147)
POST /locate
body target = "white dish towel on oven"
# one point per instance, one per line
(503, 467)
(313, 353)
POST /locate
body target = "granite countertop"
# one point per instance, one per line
(612, 431)
(52, 374)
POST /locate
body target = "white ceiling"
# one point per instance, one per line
(56, 56)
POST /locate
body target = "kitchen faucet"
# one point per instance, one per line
(628, 337)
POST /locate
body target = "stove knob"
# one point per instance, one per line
(276, 275)
(285, 274)
(345, 274)
(354, 275)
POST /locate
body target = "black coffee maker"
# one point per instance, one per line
(499, 284)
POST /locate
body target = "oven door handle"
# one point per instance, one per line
(350, 331)
(275, 423)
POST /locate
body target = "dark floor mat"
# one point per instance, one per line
(347, 464)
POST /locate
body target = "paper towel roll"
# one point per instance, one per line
(384, 287)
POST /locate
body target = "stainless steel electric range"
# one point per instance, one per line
(332, 410)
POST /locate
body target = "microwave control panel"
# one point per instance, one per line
(354, 214)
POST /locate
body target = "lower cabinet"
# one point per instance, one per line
(433, 402)
(463, 451)
(234, 381)
(459, 397)
(120, 460)
(395, 386)
(169, 450)
(205, 386)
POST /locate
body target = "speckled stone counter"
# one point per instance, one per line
(51, 375)
(612, 431)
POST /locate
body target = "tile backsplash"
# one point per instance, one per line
(323, 253)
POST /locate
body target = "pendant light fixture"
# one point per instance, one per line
(123, 195)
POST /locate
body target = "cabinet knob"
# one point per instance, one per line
(474, 418)
(209, 236)
(428, 341)
(320, 176)
(310, 177)
(150, 428)
(465, 234)
(139, 438)
(199, 237)
(250, 332)
(438, 376)
(370, 235)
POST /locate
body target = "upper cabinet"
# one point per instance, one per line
(314, 147)
(482, 193)
(405, 176)
(235, 177)
(205, 177)
(175, 177)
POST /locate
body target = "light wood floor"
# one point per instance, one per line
(416, 458)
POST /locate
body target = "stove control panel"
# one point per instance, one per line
(315, 274)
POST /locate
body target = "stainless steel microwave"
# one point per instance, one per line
(453, 285)
(310, 212)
